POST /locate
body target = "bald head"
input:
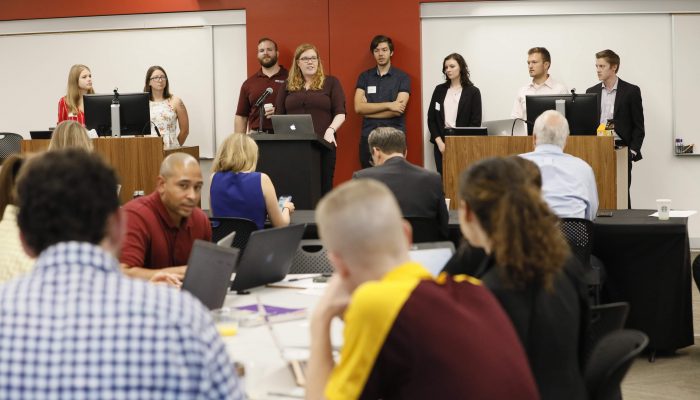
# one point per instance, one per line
(180, 185)
(176, 161)
(361, 221)
(551, 128)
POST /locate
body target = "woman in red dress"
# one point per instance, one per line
(70, 107)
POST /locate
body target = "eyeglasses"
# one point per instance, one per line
(308, 59)
(159, 78)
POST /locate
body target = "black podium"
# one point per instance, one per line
(293, 162)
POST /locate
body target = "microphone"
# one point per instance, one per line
(512, 129)
(156, 126)
(573, 94)
(263, 96)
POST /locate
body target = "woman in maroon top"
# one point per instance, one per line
(310, 91)
(70, 107)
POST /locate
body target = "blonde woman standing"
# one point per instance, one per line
(70, 106)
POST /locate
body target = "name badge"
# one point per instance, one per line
(437, 106)
(371, 89)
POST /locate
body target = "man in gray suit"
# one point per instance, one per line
(418, 191)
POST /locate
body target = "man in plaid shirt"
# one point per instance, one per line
(75, 327)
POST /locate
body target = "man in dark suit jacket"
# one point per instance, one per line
(620, 102)
(418, 191)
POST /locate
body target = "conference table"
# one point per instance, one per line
(264, 350)
(647, 263)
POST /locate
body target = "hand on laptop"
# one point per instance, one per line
(167, 278)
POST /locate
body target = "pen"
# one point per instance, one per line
(325, 275)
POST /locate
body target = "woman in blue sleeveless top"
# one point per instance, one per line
(238, 191)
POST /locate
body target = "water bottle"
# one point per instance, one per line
(114, 108)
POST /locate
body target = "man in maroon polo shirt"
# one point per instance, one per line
(162, 226)
(271, 75)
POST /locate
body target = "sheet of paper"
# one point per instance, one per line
(677, 213)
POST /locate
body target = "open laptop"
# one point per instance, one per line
(433, 259)
(40, 134)
(292, 124)
(267, 257)
(505, 127)
(209, 271)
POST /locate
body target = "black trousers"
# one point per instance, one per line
(438, 159)
(327, 170)
(365, 155)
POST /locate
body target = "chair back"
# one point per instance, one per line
(605, 319)
(610, 361)
(311, 258)
(579, 233)
(10, 143)
(426, 230)
(222, 226)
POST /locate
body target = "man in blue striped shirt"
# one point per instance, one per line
(568, 182)
(75, 327)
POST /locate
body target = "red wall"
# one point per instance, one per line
(341, 29)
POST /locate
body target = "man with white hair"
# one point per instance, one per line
(568, 182)
(407, 334)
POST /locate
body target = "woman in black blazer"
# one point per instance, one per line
(459, 97)
(529, 269)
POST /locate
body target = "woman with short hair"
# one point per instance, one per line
(238, 191)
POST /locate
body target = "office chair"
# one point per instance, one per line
(610, 361)
(222, 226)
(10, 143)
(426, 230)
(311, 258)
(579, 233)
(605, 319)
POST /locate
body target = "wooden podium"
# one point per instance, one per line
(135, 159)
(598, 152)
(293, 163)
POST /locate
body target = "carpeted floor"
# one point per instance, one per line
(674, 378)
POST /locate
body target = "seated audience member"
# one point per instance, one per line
(468, 259)
(568, 182)
(238, 191)
(75, 326)
(70, 134)
(13, 260)
(407, 335)
(529, 269)
(418, 191)
(162, 226)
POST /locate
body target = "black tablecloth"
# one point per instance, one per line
(648, 266)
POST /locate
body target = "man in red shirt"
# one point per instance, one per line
(162, 226)
(271, 75)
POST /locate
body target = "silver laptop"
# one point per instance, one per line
(505, 127)
(293, 124)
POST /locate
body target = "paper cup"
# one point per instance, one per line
(664, 208)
